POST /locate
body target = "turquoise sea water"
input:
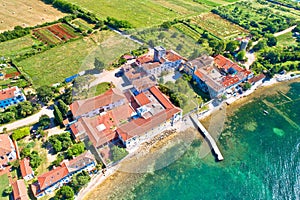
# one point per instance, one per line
(262, 158)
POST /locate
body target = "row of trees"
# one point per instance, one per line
(19, 111)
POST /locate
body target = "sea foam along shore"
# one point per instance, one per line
(91, 188)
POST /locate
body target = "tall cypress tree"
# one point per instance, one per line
(63, 108)
(58, 116)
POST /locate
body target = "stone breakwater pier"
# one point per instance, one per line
(208, 137)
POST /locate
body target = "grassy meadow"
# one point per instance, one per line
(4, 182)
(17, 46)
(286, 40)
(54, 65)
(145, 13)
(171, 39)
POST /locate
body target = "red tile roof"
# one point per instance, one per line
(198, 74)
(25, 167)
(225, 63)
(47, 179)
(7, 93)
(109, 121)
(81, 107)
(19, 190)
(173, 56)
(144, 59)
(6, 146)
(142, 99)
(161, 97)
(141, 125)
(228, 81)
(257, 78)
(128, 57)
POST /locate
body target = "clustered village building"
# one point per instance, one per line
(125, 118)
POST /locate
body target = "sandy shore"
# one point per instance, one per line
(120, 178)
(143, 161)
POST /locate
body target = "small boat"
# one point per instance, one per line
(266, 112)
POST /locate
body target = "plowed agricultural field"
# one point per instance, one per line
(54, 34)
(26, 13)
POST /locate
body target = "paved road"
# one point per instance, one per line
(284, 31)
(251, 58)
(126, 36)
(29, 120)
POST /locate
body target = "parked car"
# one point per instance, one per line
(119, 74)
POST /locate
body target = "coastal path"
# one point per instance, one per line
(208, 137)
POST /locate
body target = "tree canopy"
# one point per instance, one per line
(65, 193)
(20, 133)
(45, 93)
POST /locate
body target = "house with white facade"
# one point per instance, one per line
(97, 105)
(26, 170)
(11, 96)
(59, 176)
(161, 60)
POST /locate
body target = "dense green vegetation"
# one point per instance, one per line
(80, 180)
(258, 20)
(4, 183)
(289, 4)
(60, 142)
(117, 153)
(65, 192)
(20, 133)
(20, 111)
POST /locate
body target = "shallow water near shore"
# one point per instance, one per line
(261, 152)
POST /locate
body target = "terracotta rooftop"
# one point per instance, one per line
(161, 97)
(81, 107)
(19, 190)
(142, 99)
(144, 59)
(6, 146)
(142, 125)
(228, 81)
(257, 78)
(47, 179)
(25, 167)
(173, 56)
(8, 93)
(101, 129)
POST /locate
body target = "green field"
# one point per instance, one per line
(145, 13)
(286, 40)
(217, 26)
(21, 45)
(93, 91)
(257, 17)
(4, 182)
(82, 24)
(172, 39)
(62, 61)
